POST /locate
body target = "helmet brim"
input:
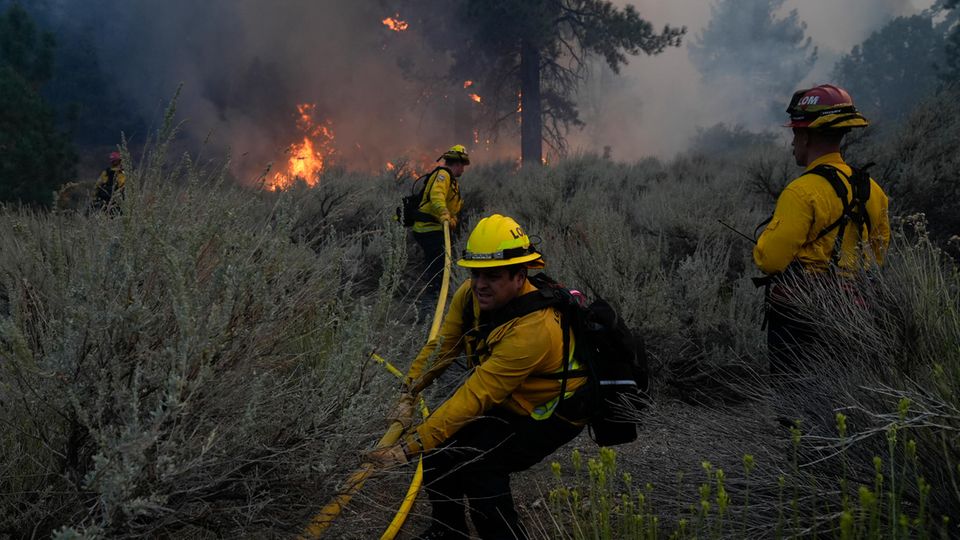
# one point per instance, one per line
(455, 159)
(830, 122)
(493, 263)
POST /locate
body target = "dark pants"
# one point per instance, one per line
(432, 245)
(790, 336)
(476, 463)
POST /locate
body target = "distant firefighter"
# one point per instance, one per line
(109, 187)
(828, 225)
(440, 203)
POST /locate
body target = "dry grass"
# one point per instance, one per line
(195, 366)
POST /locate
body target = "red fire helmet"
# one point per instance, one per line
(824, 107)
(115, 157)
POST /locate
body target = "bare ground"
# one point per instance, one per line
(674, 440)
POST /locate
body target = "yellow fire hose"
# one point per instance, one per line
(323, 519)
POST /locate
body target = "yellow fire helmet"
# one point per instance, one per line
(499, 241)
(456, 153)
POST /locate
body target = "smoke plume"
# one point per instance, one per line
(246, 65)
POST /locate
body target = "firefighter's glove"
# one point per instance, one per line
(397, 454)
(403, 411)
(448, 218)
(390, 456)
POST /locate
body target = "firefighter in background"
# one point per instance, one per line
(441, 203)
(507, 415)
(109, 187)
(823, 225)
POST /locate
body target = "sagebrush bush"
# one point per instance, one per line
(194, 365)
(197, 364)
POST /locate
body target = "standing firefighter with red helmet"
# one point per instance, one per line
(109, 187)
(831, 222)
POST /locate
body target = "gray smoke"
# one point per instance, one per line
(246, 64)
(661, 101)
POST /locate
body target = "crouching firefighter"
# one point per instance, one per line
(828, 225)
(507, 415)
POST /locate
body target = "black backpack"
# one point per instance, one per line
(409, 210)
(612, 357)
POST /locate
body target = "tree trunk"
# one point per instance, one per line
(531, 121)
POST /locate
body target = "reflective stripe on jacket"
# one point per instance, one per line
(508, 362)
(807, 206)
(441, 196)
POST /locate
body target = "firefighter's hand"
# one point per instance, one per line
(448, 218)
(403, 411)
(390, 456)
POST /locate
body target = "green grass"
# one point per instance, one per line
(600, 502)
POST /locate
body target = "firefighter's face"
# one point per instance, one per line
(494, 287)
(456, 168)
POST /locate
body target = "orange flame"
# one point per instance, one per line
(305, 159)
(467, 84)
(476, 98)
(394, 23)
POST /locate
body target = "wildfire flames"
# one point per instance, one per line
(467, 84)
(306, 158)
(394, 23)
(476, 98)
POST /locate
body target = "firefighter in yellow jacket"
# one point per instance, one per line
(827, 223)
(507, 415)
(441, 202)
(109, 187)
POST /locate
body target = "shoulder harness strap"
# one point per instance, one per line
(425, 194)
(854, 209)
(524, 305)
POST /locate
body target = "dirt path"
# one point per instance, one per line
(674, 439)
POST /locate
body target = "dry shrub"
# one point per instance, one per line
(184, 368)
(888, 358)
(645, 237)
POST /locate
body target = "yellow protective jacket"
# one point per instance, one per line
(102, 190)
(807, 206)
(504, 371)
(441, 196)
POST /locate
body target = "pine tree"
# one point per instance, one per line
(528, 57)
(749, 53)
(894, 68)
(949, 72)
(34, 157)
